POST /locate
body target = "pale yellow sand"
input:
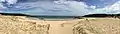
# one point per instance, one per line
(107, 25)
(58, 28)
(98, 26)
(22, 25)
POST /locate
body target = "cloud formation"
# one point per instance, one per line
(113, 9)
(58, 8)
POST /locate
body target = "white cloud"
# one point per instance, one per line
(1, 5)
(2, 0)
(93, 7)
(113, 9)
(8, 3)
(71, 8)
(116, 6)
(12, 1)
(77, 8)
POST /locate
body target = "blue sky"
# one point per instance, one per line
(60, 7)
(100, 3)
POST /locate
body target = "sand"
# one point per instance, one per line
(22, 25)
(57, 27)
(25, 25)
(98, 26)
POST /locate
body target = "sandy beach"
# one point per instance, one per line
(24, 25)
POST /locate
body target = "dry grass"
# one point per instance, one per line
(21, 25)
(98, 26)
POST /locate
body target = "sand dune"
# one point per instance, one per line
(25, 25)
(98, 26)
(21, 25)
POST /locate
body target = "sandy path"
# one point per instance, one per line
(56, 27)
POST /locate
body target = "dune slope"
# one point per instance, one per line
(21, 25)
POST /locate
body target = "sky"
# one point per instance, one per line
(60, 7)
